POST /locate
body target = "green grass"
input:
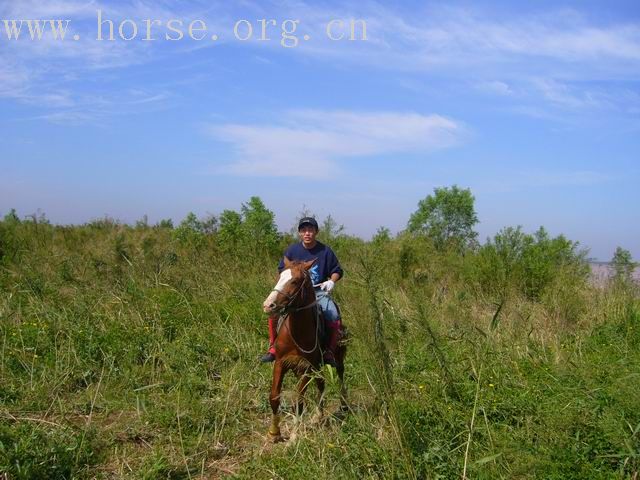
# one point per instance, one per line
(132, 353)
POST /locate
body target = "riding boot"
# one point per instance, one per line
(329, 356)
(273, 320)
(270, 356)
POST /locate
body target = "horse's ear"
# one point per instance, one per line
(287, 262)
(309, 264)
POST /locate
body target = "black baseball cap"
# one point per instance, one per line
(307, 221)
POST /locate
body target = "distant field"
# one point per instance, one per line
(602, 271)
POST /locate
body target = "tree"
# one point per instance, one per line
(330, 229)
(12, 217)
(304, 212)
(258, 224)
(143, 223)
(446, 216)
(189, 230)
(190, 222)
(9, 241)
(623, 264)
(382, 236)
(230, 231)
(165, 223)
(208, 224)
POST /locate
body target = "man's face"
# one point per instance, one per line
(307, 234)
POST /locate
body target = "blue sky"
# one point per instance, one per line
(535, 106)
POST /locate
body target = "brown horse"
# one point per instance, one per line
(298, 344)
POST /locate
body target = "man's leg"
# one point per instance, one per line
(333, 323)
(270, 356)
(333, 330)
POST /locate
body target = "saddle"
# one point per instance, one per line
(323, 331)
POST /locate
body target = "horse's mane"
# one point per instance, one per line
(296, 263)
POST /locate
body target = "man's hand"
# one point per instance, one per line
(327, 286)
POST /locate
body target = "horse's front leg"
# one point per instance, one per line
(343, 388)
(320, 384)
(303, 383)
(274, 400)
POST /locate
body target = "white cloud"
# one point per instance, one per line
(12, 78)
(559, 35)
(85, 109)
(443, 38)
(30, 9)
(46, 72)
(563, 95)
(67, 117)
(467, 46)
(563, 47)
(311, 143)
(496, 87)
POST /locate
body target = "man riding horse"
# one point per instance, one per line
(325, 272)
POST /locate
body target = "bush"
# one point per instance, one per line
(11, 238)
(188, 232)
(623, 265)
(32, 451)
(528, 264)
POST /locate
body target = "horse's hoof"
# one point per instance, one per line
(276, 437)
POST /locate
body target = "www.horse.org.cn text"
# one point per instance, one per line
(286, 32)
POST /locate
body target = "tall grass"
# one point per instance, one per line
(132, 353)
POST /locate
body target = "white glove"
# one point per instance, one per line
(327, 286)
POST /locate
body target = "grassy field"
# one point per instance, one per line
(131, 352)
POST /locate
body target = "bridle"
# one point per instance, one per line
(292, 297)
(289, 308)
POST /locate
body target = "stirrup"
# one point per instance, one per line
(329, 359)
(267, 357)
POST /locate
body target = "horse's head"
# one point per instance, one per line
(292, 284)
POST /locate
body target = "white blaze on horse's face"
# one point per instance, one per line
(269, 303)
